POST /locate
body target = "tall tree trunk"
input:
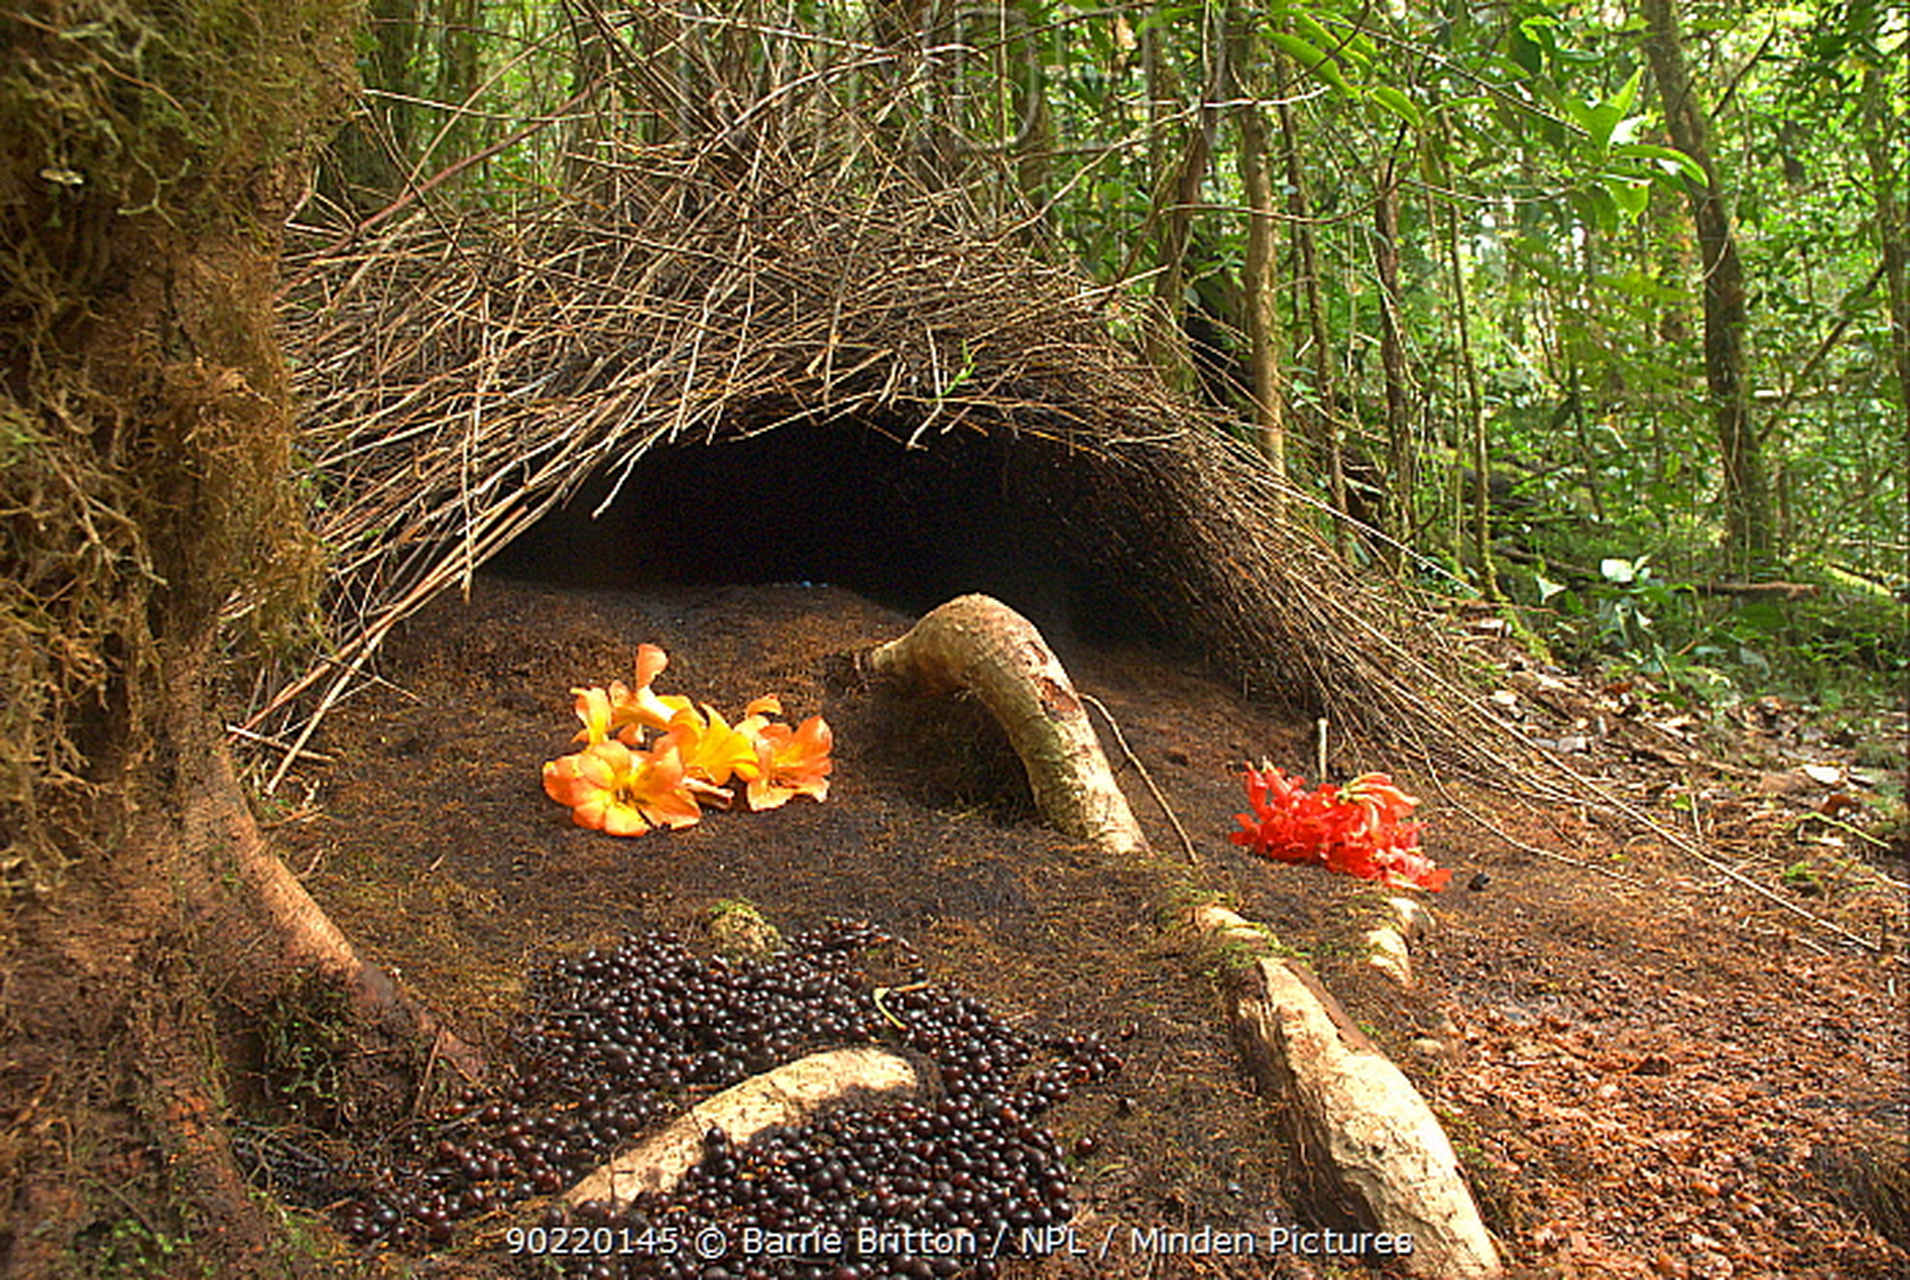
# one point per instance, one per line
(1397, 496)
(461, 134)
(374, 152)
(1887, 168)
(1257, 284)
(1034, 138)
(1474, 416)
(1327, 433)
(1174, 213)
(1749, 540)
(1579, 312)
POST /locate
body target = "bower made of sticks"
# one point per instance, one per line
(691, 373)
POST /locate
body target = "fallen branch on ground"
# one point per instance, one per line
(1376, 1150)
(978, 644)
(791, 1095)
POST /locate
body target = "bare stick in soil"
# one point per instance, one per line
(1160, 799)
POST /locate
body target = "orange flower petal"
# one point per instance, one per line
(613, 788)
(641, 705)
(660, 792)
(650, 664)
(792, 762)
(565, 783)
(711, 749)
(594, 706)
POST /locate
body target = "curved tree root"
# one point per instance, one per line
(1375, 1150)
(307, 937)
(790, 1095)
(1402, 921)
(978, 644)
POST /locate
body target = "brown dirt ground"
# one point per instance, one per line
(1654, 1076)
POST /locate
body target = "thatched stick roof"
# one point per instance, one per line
(460, 379)
(796, 243)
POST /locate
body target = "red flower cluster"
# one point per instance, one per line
(1356, 830)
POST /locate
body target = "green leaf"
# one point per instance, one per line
(1311, 58)
(1532, 39)
(1602, 121)
(1465, 106)
(1309, 27)
(1635, 283)
(1397, 103)
(1628, 95)
(1166, 16)
(1669, 159)
(1631, 195)
(1599, 123)
(1594, 204)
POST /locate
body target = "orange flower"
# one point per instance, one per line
(624, 713)
(616, 784)
(711, 749)
(640, 706)
(756, 718)
(596, 707)
(791, 762)
(612, 788)
(1382, 805)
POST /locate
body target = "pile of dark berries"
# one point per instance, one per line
(620, 1041)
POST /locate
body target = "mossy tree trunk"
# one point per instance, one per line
(149, 155)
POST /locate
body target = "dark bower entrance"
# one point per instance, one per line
(846, 505)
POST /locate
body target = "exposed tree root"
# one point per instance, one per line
(308, 939)
(791, 1095)
(1377, 1155)
(189, 916)
(979, 645)
(1402, 922)
(1374, 1150)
